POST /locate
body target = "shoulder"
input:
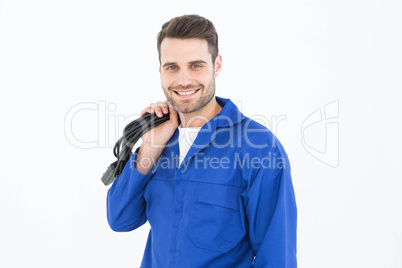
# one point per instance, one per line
(260, 143)
(263, 150)
(257, 135)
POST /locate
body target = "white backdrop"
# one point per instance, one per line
(323, 76)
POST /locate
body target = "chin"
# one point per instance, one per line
(184, 110)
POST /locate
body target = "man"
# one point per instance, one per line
(221, 198)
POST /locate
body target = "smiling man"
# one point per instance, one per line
(214, 185)
(188, 75)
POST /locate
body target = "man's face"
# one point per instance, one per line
(188, 73)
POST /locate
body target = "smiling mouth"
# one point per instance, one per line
(186, 93)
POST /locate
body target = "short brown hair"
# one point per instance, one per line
(190, 26)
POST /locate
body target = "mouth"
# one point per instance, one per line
(186, 93)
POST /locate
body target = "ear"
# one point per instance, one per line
(218, 65)
(159, 68)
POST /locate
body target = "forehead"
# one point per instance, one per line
(184, 50)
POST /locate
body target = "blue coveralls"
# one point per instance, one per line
(230, 203)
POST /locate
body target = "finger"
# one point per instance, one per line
(173, 112)
(155, 108)
(164, 106)
(147, 110)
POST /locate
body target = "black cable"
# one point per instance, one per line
(122, 150)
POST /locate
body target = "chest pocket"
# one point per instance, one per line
(215, 222)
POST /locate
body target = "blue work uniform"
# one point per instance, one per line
(230, 203)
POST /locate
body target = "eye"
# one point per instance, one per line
(172, 68)
(196, 66)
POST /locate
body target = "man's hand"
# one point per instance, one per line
(160, 135)
(154, 141)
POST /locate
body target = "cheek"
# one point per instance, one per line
(201, 78)
(166, 81)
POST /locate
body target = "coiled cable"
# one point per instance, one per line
(122, 150)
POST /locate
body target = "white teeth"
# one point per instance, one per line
(186, 93)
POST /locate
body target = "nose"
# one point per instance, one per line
(184, 78)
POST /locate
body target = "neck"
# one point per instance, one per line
(202, 116)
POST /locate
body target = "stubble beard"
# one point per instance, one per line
(204, 100)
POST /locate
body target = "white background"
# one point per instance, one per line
(280, 58)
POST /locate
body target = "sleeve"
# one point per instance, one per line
(272, 215)
(125, 201)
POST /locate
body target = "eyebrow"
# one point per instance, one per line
(191, 62)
